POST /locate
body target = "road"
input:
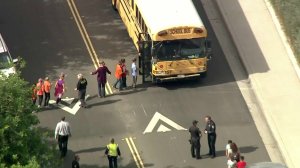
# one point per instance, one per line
(46, 35)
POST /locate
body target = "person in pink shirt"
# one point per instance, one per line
(241, 163)
(59, 88)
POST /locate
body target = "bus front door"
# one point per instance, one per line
(146, 64)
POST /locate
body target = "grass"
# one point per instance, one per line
(288, 12)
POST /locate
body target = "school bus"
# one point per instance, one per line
(170, 37)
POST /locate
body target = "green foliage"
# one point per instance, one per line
(22, 143)
(289, 13)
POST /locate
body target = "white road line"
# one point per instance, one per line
(144, 110)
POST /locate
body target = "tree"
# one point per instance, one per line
(22, 143)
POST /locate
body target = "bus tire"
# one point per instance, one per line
(114, 4)
(203, 74)
(154, 80)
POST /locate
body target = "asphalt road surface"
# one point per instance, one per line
(45, 33)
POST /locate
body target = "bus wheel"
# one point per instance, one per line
(154, 80)
(203, 74)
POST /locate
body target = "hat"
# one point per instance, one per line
(195, 122)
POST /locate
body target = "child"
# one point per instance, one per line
(241, 163)
(34, 94)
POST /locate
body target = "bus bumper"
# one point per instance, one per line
(178, 77)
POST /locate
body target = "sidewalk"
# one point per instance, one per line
(273, 77)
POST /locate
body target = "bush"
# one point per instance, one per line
(22, 143)
(288, 11)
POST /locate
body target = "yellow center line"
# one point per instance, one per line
(131, 150)
(134, 152)
(86, 39)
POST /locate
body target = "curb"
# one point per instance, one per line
(253, 82)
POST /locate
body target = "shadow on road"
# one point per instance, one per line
(91, 150)
(103, 103)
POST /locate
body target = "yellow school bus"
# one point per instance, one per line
(169, 35)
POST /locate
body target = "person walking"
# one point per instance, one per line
(241, 163)
(134, 72)
(47, 86)
(210, 130)
(75, 163)
(59, 88)
(81, 88)
(228, 150)
(235, 151)
(101, 78)
(195, 140)
(231, 163)
(118, 75)
(33, 95)
(62, 134)
(124, 73)
(112, 152)
(40, 91)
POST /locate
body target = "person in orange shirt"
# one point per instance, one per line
(118, 75)
(40, 91)
(47, 88)
(33, 96)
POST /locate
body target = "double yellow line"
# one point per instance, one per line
(86, 39)
(134, 152)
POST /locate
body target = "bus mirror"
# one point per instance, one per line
(208, 44)
(208, 48)
(154, 60)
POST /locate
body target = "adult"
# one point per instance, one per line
(112, 152)
(228, 150)
(62, 134)
(81, 88)
(124, 73)
(195, 140)
(210, 130)
(40, 91)
(134, 72)
(59, 88)
(47, 89)
(101, 78)
(235, 151)
(118, 75)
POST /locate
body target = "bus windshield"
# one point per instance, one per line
(180, 49)
(5, 60)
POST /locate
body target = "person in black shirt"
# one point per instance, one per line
(75, 163)
(81, 88)
(195, 140)
(210, 130)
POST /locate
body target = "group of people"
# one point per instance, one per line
(235, 160)
(121, 73)
(196, 134)
(42, 89)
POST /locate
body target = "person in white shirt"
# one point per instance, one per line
(228, 150)
(62, 133)
(134, 72)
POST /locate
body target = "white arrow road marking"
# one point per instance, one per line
(157, 116)
(163, 128)
(73, 110)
